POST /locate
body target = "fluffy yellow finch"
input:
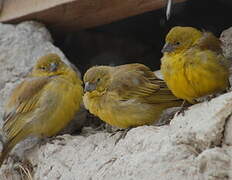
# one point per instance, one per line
(43, 103)
(193, 65)
(126, 96)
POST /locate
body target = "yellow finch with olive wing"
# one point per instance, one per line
(126, 96)
(193, 65)
(43, 104)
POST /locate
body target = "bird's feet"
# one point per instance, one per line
(206, 98)
(210, 97)
(182, 110)
(184, 107)
(101, 127)
(122, 135)
(115, 132)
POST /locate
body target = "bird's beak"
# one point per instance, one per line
(90, 86)
(168, 48)
(53, 67)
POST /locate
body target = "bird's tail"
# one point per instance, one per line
(6, 150)
(10, 144)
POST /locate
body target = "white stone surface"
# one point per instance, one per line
(196, 146)
(226, 39)
(188, 148)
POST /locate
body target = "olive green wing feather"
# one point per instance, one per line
(209, 42)
(139, 82)
(22, 102)
(212, 43)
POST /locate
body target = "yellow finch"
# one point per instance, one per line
(126, 96)
(193, 65)
(43, 104)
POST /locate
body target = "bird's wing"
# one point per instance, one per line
(137, 81)
(23, 100)
(209, 42)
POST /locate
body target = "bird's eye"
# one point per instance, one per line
(43, 67)
(177, 43)
(98, 79)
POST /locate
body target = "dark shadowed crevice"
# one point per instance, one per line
(140, 38)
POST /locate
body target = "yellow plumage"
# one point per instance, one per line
(43, 103)
(193, 65)
(127, 95)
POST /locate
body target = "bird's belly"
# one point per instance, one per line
(58, 122)
(207, 82)
(190, 84)
(124, 114)
(180, 86)
(62, 112)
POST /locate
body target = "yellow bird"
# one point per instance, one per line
(126, 96)
(43, 104)
(193, 65)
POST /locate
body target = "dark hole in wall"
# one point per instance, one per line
(140, 38)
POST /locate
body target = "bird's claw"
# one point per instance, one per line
(116, 131)
(182, 111)
(122, 135)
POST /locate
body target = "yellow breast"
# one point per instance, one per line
(124, 114)
(196, 76)
(62, 111)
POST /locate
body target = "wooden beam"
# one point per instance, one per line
(76, 14)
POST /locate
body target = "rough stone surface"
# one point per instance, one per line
(226, 39)
(187, 148)
(195, 146)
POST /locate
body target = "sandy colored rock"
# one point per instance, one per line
(226, 39)
(187, 148)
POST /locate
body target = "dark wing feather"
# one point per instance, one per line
(23, 100)
(210, 42)
(136, 81)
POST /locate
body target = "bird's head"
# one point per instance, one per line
(97, 79)
(49, 65)
(180, 39)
